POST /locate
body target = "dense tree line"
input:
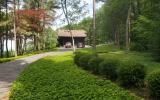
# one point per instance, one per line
(129, 24)
(132, 22)
(33, 20)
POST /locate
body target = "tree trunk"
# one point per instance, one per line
(118, 39)
(20, 45)
(15, 32)
(7, 52)
(11, 44)
(115, 38)
(1, 40)
(94, 25)
(36, 45)
(25, 44)
(35, 42)
(0, 34)
(17, 44)
(128, 28)
(2, 46)
(65, 11)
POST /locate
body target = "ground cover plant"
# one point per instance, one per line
(58, 78)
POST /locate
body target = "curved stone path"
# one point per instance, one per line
(10, 70)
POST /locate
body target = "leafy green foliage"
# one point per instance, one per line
(83, 60)
(93, 64)
(111, 20)
(109, 67)
(33, 22)
(140, 36)
(77, 56)
(146, 29)
(156, 54)
(111, 51)
(57, 78)
(131, 73)
(50, 39)
(153, 81)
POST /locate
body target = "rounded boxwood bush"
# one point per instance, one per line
(156, 55)
(94, 64)
(109, 68)
(83, 60)
(153, 84)
(77, 56)
(131, 73)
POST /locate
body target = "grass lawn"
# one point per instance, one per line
(144, 58)
(58, 78)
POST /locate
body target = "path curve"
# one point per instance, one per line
(10, 70)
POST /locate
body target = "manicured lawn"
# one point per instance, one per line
(58, 78)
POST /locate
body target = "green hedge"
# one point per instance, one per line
(94, 64)
(153, 83)
(83, 60)
(77, 56)
(57, 78)
(131, 73)
(108, 68)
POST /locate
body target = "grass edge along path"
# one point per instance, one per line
(58, 78)
(3, 60)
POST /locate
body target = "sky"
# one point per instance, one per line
(59, 23)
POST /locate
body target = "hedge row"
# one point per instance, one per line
(128, 73)
(153, 83)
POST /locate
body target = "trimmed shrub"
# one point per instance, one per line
(83, 60)
(77, 56)
(109, 68)
(156, 55)
(94, 64)
(153, 84)
(131, 73)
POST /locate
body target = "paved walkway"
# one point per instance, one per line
(10, 70)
